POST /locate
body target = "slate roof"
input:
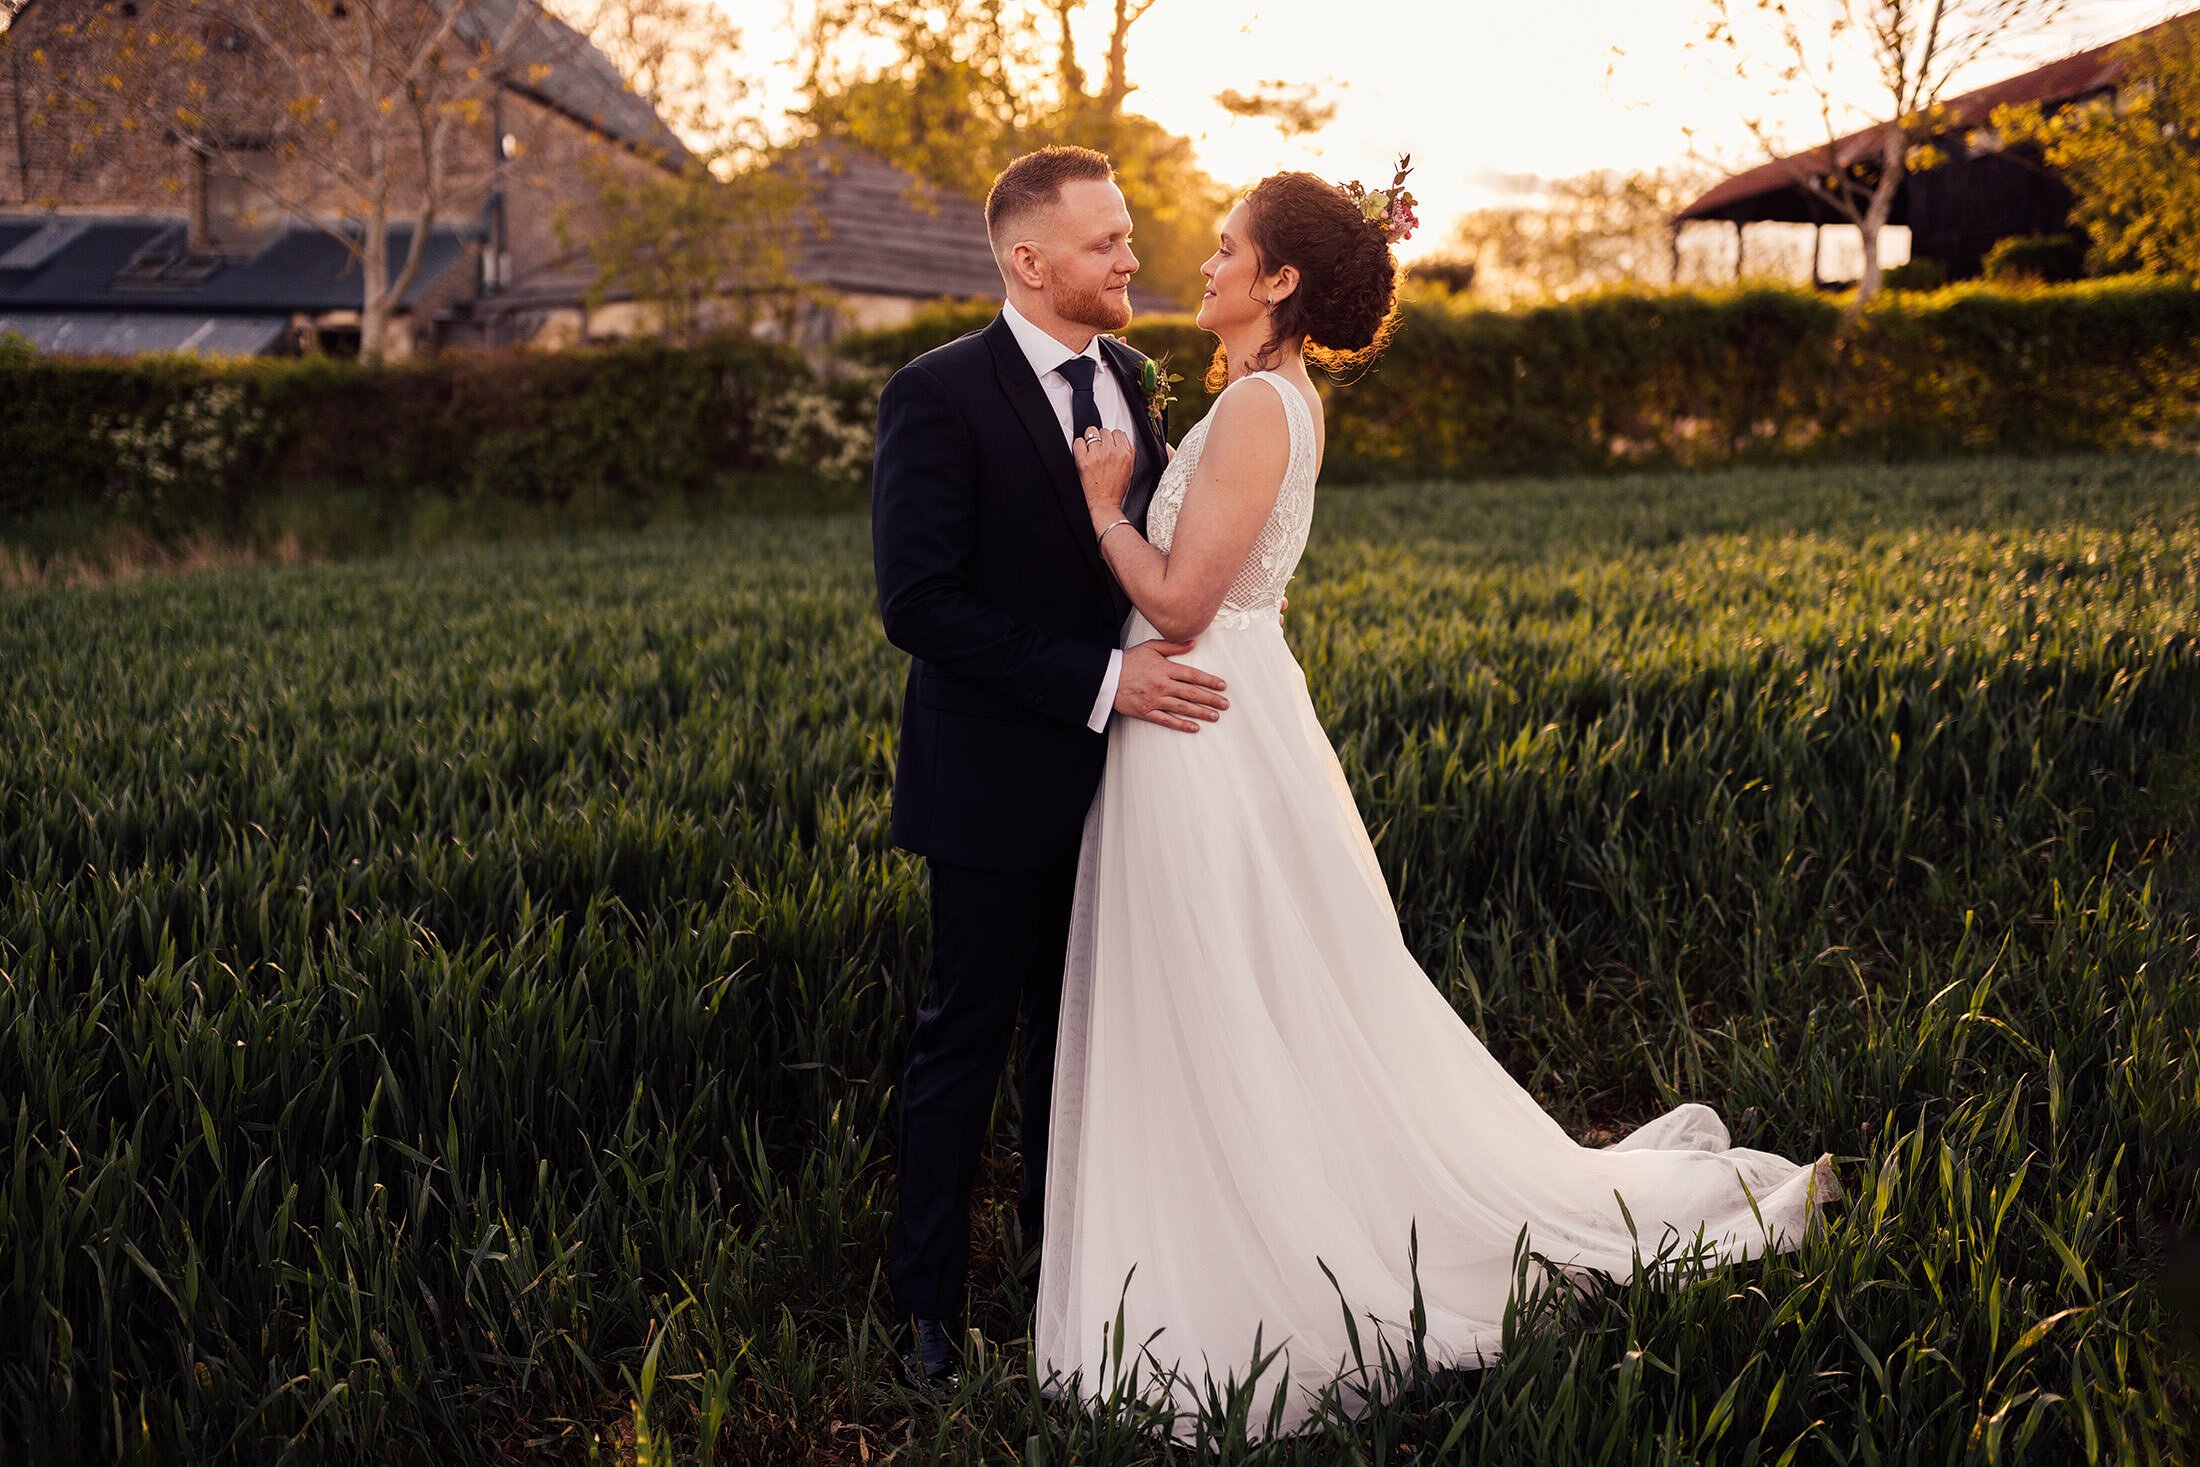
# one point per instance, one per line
(583, 83)
(133, 333)
(871, 228)
(112, 262)
(1749, 195)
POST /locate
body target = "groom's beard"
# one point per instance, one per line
(1102, 310)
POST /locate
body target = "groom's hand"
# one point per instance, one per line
(1161, 691)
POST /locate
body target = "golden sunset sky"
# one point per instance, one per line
(1487, 96)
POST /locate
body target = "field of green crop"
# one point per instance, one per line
(450, 1005)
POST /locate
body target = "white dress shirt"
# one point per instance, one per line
(1045, 354)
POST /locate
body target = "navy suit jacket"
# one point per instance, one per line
(990, 578)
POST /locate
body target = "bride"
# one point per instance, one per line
(1261, 1103)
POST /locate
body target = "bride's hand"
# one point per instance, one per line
(1104, 464)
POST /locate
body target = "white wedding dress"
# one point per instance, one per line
(1252, 1072)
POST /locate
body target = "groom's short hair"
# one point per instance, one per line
(1034, 182)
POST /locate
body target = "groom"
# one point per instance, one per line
(989, 576)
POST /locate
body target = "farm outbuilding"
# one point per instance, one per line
(1955, 212)
(878, 244)
(122, 239)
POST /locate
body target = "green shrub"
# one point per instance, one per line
(175, 464)
(933, 325)
(2051, 259)
(1700, 378)
(1918, 274)
(634, 433)
(202, 438)
(1977, 367)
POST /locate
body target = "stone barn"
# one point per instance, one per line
(118, 236)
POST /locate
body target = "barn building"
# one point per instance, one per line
(1955, 212)
(116, 238)
(878, 244)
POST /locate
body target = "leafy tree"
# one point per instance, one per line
(2133, 162)
(949, 92)
(952, 91)
(1296, 108)
(703, 250)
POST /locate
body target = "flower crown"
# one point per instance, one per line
(1389, 211)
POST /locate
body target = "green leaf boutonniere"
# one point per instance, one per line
(1154, 378)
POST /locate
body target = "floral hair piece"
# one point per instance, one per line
(1389, 211)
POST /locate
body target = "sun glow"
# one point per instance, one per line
(1490, 98)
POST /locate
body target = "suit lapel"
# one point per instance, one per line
(1152, 451)
(1029, 400)
(1125, 366)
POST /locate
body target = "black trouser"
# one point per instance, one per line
(997, 941)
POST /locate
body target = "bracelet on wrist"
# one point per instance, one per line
(1117, 525)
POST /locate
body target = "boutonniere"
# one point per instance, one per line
(1154, 379)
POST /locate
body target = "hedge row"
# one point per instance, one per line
(1681, 379)
(1692, 379)
(199, 436)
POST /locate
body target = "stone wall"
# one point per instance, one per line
(89, 90)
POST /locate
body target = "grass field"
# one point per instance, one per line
(449, 1005)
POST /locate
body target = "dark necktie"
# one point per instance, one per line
(1084, 408)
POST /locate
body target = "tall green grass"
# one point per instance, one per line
(450, 1005)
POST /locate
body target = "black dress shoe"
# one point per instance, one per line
(930, 1366)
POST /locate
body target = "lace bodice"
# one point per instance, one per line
(1256, 592)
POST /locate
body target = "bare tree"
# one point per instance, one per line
(1913, 48)
(991, 39)
(708, 244)
(684, 58)
(351, 114)
(1582, 232)
(1118, 87)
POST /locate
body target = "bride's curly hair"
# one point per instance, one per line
(1346, 304)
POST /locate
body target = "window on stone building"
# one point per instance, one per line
(234, 213)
